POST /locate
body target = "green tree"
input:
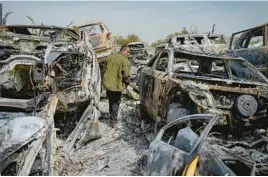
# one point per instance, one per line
(133, 38)
(125, 40)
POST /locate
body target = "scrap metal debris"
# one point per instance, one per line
(251, 44)
(191, 152)
(201, 43)
(140, 53)
(44, 70)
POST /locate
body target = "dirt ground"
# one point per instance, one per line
(119, 149)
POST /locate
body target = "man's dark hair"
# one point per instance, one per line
(108, 34)
(123, 48)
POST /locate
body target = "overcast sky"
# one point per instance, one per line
(150, 20)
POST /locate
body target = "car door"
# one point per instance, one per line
(155, 83)
(97, 35)
(252, 46)
(145, 84)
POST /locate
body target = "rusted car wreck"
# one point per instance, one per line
(252, 45)
(177, 83)
(97, 36)
(193, 146)
(208, 43)
(43, 70)
(38, 59)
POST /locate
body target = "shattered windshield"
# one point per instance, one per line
(241, 71)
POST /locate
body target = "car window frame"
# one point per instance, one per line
(245, 38)
(157, 59)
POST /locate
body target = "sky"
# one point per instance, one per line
(151, 20)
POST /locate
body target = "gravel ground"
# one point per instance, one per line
(118, 150)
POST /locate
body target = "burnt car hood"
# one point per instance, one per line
(18, 129)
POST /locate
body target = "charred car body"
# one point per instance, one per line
(139, 50)
(177, 83)
(44, 69)
(194, 145)
(37, 59)
(252, 45)
(23, 150)
(199, 43)
(97, 32)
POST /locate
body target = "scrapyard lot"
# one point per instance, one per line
(199, 113)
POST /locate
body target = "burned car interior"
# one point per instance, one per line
(212, 67)
(251, 44)
(194, 145)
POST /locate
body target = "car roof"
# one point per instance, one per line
(198, 35)
(23, 29)
(203, 55)
(265, 24)
(36, 26)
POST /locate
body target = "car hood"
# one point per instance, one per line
(16, 132)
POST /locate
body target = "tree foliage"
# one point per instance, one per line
(125, 40)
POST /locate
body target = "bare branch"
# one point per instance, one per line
(213, 28)
(69, 24)
(5, 17)
(31, 19)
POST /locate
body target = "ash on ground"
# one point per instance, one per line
(119, 149)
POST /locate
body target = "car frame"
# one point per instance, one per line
(142, 53)
(98, 40)
(252, 45)
(166, 94)
(43, 54)
(205, 43)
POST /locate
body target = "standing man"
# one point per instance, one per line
(116, 78)
(111, 42)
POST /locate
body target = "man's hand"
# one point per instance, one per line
(126, 80)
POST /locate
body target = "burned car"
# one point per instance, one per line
(206, 43)
(97, 32)
(194, 146)
(177, 83)
(252, 45)
(37, 59)
(139, 50)
(44, 69)
(24, 138)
